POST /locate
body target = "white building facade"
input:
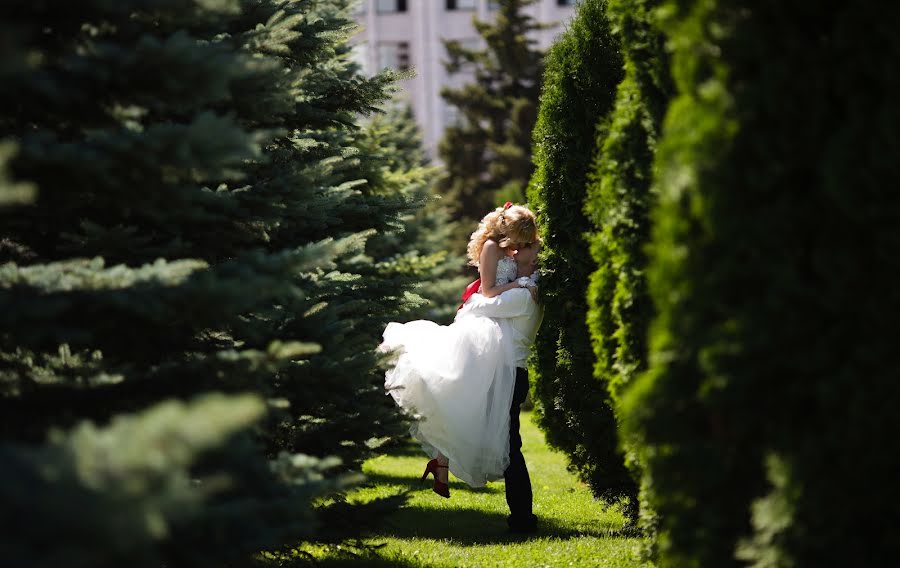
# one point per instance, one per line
(407, 34)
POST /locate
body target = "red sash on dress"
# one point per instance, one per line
(470, 289)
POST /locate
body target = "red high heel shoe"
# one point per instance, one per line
(439, 487)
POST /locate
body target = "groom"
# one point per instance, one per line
(521, 308)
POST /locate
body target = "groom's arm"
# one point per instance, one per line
(510, 304)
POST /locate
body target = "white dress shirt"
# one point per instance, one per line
(517, 306)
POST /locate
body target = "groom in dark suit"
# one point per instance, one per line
(521, 308)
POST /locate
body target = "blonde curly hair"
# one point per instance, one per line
(505, 225)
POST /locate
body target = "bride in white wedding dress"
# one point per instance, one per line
(457, 381)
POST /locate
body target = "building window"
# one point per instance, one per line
(493, 5)
(390, 6)
(565, 2)
(393, 55)
(461, 5)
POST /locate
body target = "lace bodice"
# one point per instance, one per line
(506, 270)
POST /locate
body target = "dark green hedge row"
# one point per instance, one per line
(582, 71)
(619, 198)
(768, 416)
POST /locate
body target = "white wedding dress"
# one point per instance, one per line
(457, 383)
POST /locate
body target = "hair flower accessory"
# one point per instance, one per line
(507, 205)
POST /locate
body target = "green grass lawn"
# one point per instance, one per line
(469, 529)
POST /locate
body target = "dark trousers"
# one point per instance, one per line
(518, 483)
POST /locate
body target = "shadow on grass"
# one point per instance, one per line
(404, 449)
(472, 527)
(344, 555)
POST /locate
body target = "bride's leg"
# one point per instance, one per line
(443, 473)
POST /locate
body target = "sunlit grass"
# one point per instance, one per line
(469, 529)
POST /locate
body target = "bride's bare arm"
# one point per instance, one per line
(491, 253)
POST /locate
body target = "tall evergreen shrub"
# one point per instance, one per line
(620, 196)
(583, 69)
(393, 147)
(768, 414)
(185, 210)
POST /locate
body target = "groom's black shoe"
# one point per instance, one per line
(522, 525)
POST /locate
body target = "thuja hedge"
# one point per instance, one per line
(582, 70)
(768, 417)
(619, 198)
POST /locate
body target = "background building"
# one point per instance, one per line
(407, 34)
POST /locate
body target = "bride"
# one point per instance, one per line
(457, 381)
